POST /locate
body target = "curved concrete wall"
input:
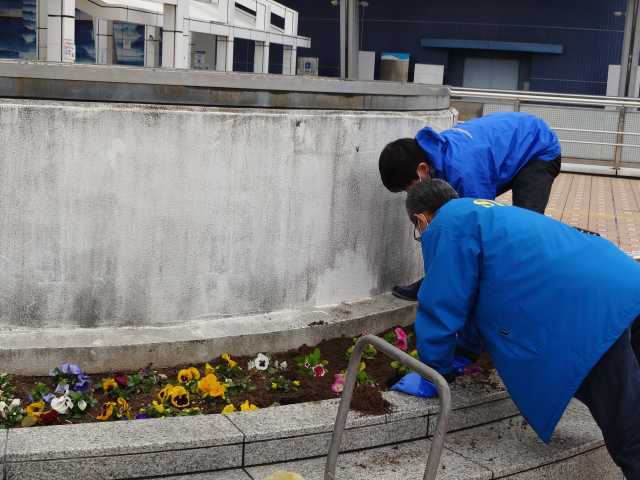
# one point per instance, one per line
(139, 215)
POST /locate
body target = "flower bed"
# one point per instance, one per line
(223, 385)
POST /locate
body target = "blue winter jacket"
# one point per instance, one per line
(480, 157)
(545, 300)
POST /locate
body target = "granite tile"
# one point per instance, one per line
(511, 446)
(595, 464)
(285, 449)
(295, 420)
(125, 437)
(3, 446)
(477, 415)
(397, 462)
(128, 466)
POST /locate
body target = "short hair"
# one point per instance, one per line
(399, 162)
(428, 196)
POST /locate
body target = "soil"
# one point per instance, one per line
(367, 399)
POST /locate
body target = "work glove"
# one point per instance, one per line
(414, 384)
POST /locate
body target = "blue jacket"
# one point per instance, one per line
(480, 157)
(545, 300)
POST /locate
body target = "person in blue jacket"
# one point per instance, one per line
(480, 158)
(552, 306)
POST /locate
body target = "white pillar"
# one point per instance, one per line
(289, 60)
(61, 45)
(151, 46)
(103, 34)
(224, 54)
(175, 35)
(43, 23)
(261, 58)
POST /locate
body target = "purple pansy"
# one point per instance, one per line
(82, 383)
(141, 416)
(48, 397)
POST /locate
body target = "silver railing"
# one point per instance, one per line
(444, 396)
(597, 133)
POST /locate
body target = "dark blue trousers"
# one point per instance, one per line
(612, 393)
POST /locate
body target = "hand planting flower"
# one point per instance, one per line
(179, 397)
(338, 385)
(247, 407)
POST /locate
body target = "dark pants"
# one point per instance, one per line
(612, 393)
(532, 184)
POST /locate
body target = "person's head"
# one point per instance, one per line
(403, 163)
(424, 200)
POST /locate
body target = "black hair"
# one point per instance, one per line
(399, 162)
(428, 196)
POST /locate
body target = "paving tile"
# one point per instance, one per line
(113, 438)
(399, 462)
(128, 466)
(285, 449)
(477, 415)
(511, 446)
(3, 445)
(295, 420)
(596, 464)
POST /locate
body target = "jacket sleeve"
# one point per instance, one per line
(447, 295)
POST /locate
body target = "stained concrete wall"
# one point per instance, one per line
(140, 215)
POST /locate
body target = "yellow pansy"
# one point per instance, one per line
(274, 386)
(228, 409)
(246, 406)
(106, 412)
(230, 362)
(158, 407)
(209, 386)
(208, 369)
(296, 383)
(179, 397)
(165, 392)
(109, 384)
(35, 409)
(187, 374)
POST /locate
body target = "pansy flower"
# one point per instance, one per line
(123, 408)
(35, 409)
(122, 381)
(228, 409)
(208, 369)
(246, 406)
(209, 386)
(49, 417)
(106, 412)
(261, 362)
(179, 397)
(319, 370)
(83, 382)
(338, 385)
(62, 404)
(402, 341)
(158, 407)
(187, 374)
(109, 384)
(227, 358)
(164, 393)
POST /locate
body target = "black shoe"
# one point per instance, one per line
(588, 232)
(408, 292)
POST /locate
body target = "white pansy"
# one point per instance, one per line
(283, 366)
(3, 410)
(82, 405)
(62, 405)
(251, 365)
(262, 362)
(15, 403)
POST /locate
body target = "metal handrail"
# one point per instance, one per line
(444, 397)
(544, 97)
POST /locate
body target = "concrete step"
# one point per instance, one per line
(503, 449)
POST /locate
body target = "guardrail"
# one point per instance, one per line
(444, 396)
(601, 132)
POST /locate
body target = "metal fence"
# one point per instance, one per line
(598, 134)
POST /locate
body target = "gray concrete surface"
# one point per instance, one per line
(130, 215)
(198, 87)
(33, 351)
(3, 447)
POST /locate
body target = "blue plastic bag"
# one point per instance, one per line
(414, 384)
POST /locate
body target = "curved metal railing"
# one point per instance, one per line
(444, 396)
